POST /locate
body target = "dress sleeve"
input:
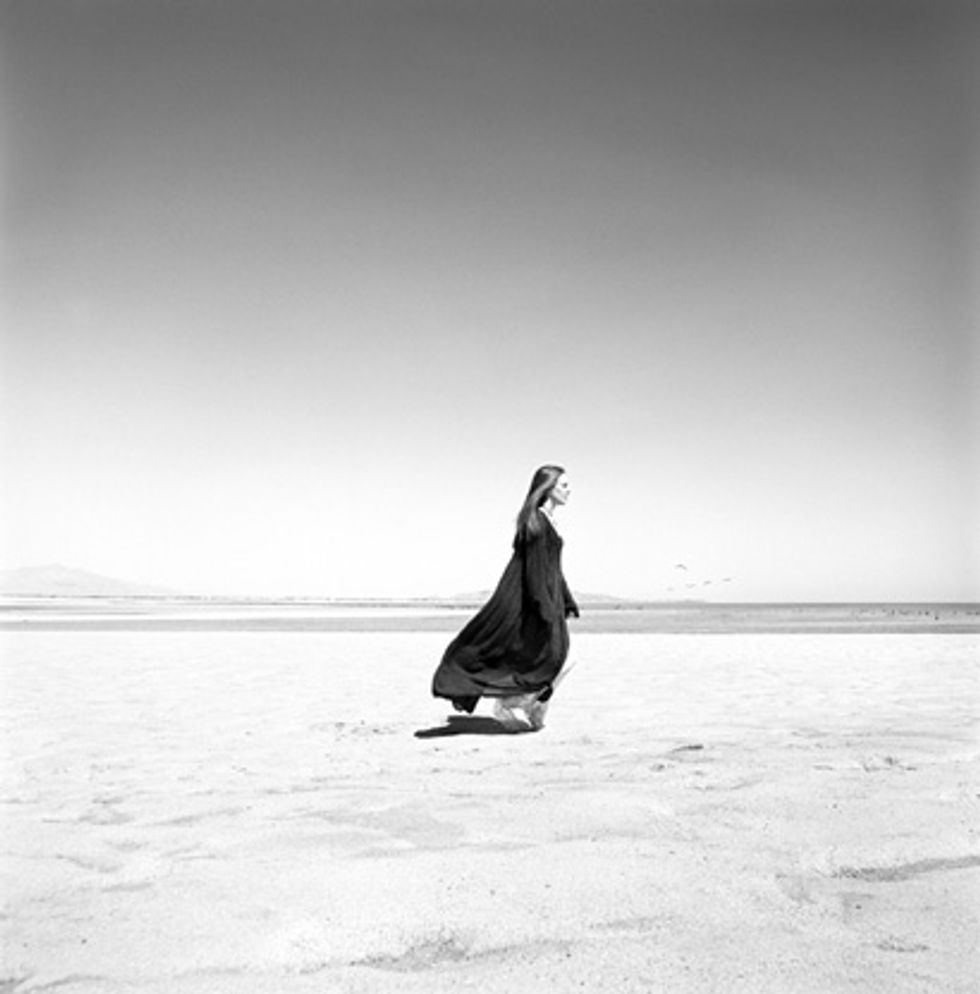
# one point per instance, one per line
(571, 608)
(539, 577)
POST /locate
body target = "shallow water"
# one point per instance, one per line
(174, 615)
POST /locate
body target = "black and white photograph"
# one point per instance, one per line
(489, 496)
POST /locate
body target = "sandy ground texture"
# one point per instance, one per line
(239, 813)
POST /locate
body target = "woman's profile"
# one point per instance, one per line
(515, 647)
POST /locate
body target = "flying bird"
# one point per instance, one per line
(680, 566)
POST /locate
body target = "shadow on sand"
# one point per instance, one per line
(470, 725)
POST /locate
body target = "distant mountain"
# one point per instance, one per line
(583, 599)
(600, 600)
(62, 581)
(56, 580)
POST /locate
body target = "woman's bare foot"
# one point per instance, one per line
(535, 711)
(504, 713)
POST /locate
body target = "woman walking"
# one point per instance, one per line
(515, 647)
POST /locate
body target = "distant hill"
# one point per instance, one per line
(56, 580)
(63, 581)
(583, 599)
(604, 600)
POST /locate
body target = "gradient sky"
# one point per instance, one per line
(296, 295)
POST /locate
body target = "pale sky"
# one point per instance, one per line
(296, 295)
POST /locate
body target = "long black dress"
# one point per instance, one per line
(518, 642)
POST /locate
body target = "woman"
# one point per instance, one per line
(515, 647)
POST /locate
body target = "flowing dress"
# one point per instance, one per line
(518, 642)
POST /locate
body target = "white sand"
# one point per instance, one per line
(250, 812)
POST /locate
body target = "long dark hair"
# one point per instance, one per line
(542, 483)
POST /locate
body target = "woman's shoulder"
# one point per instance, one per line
(549, 530)
(540, 531)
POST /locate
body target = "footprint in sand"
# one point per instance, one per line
(892, 944)
(353, 729)
(906, 871)
(422, 956)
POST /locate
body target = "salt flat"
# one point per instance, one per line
(291, 812)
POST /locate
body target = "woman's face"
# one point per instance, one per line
(561, 490)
